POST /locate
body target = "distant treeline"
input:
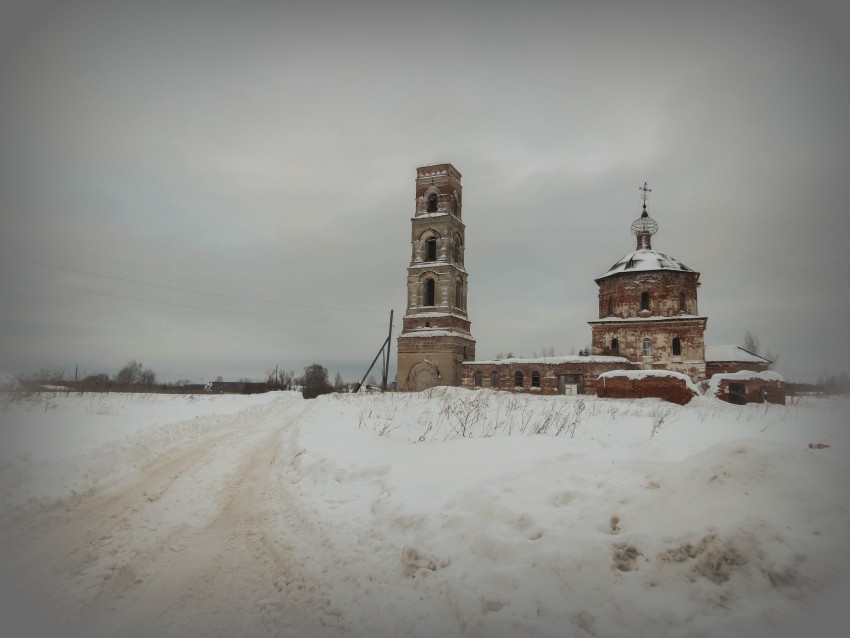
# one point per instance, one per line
(102, 383)
(134, 377)
(827, 385)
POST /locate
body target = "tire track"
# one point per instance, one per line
(145, 558)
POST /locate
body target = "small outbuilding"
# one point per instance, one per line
(667, 385)
(748, 386)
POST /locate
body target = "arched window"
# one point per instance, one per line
(535, 379)
(458, 248)
(477, 380)
(431, 249)
(429, 293)
(681, 302)
(610, 306)
(459, 294)
(647, 348)
(644, 301)
(518, 379)
(615, 347)
(677, 347)
(432, 203)
(494, 380)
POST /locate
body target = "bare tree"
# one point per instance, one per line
(130, 373)
(135, 372)
(753, 344)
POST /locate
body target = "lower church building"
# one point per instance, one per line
(648, 319)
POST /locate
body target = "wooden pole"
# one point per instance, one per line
(387, 359)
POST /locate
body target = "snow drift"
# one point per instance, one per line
(444, 513)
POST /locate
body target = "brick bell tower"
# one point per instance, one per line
(435, 337)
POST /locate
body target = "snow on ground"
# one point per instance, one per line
(444, 513)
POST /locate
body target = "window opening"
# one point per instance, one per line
(477, 379)
(432, 203)
(677, 347)
(610, 306)
(615, 347)
(647, 348)
(494, 380)
(518, 379)
(644, 301)
(431, 251)
(458, 294)
(681, 302)
(429, 292)
(535, 379)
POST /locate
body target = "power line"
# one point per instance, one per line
(181, 305)
(197, 292)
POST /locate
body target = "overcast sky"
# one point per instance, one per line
(151, 152)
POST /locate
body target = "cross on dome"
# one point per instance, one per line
(644, 227)
(646, 190)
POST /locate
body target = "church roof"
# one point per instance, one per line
(646, 259)
(726, 353)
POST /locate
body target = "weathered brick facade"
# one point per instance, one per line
(668, 387)
(648, 317)
(670, 293)
(648, 309)
(550, 375)
(749, 387)
(435, 338)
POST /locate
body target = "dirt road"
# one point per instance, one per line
(206, 539)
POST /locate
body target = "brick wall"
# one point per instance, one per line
(673, 389)
(585, 368)
(624, 292)
(753, 390)
(721, 367)
(425, 362)
(631, 333)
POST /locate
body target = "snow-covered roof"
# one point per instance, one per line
(428, 332)
(650, 318)
(732, 353)
(646, 259)
(436, 264)
(642, 374)
(431, 314)
(550, 360)
(743, 375)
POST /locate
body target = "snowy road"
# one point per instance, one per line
(164, 554)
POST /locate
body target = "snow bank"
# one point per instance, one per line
(641, 519)
(443, 513)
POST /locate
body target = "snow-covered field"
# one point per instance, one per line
(445, 513)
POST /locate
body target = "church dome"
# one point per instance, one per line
(644, 257)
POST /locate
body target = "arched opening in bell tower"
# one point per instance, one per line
(431, 249)
(429, 293)
(432, 203)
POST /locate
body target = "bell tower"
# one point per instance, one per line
(435, 337)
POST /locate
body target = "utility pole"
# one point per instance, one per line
(385, 360)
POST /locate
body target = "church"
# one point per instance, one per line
(648, 319)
